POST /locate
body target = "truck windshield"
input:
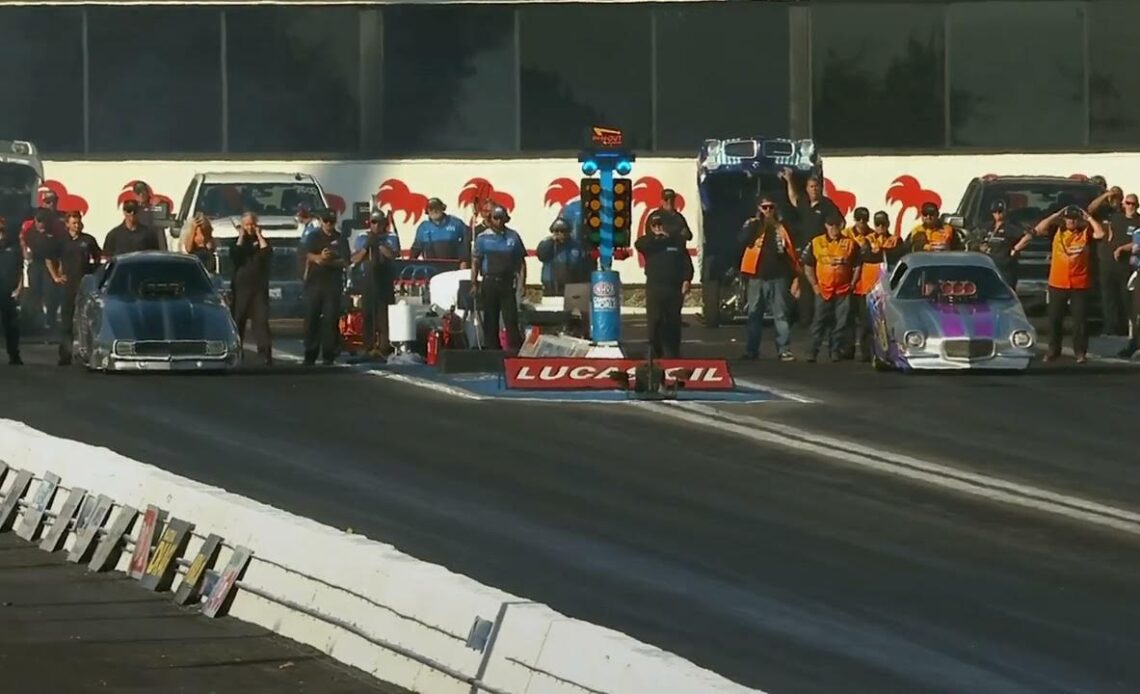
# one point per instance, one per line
(1029, 203)
(264, 199)
(18, 185)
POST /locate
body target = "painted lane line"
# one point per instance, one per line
(786, 394)
(991, 488)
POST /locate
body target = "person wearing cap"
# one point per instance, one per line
(675, 222)
(564, 259)
(770, 268)
(375, 252)
(131, 236)
(932, 234)
(442, 236)
(251, 257)
(328, 257)
(11, 286)
(571, 214)
(859, 318)
(833, 266)
(668, 275)
(49, 204)
(1112, 264)
(882, 247)
(808, 212)
(144, 196)
(79, 256)
(307, 223)
(41, 301)
(1134, 284)
(498, 265)
(1073, 231)
(999, 243)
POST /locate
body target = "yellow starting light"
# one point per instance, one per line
(619, 222)
(595, 204)
(619, 205)
(596, 189)
(619, 188)
(595, 222)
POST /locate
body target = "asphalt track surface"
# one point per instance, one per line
(66, 631)
(780, 570)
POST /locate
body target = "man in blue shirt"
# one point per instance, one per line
(375, 252)
(572, 214)
(442, 236)
(564, 260)
(500, 259)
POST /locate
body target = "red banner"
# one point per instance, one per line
(567, 373)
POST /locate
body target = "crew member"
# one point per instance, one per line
(668, 274)
(442, 236)
(833, 264)
(200, 242)
(1134, 282)
(79, 256)
(1069, 275)
(564, 260)
(131, 235)
(11, 284)
(376, 251)
(328, 257)
(251, 257)
(144, 196)
(809, 212)
(42, 247)
(999, 244)
(499, 258)
(932, 235)
(675, 222)
(1112, 267)
(770, 267)
(876, 244)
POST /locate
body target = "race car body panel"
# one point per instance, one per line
(154, 311)
(948, 311)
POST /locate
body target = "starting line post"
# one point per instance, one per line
(602, 211)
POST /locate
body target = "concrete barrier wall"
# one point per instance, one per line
(386, 594)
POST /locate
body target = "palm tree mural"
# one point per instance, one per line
(909, 193)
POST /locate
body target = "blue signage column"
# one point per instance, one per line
(605, 283)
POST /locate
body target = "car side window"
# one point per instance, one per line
(897, 275)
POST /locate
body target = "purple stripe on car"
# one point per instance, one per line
(950, 320)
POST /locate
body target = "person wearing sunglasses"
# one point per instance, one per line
(498, 268)
(932, 234)
(1113, 256)
(999, 244)
(770, 269)
(131, 235)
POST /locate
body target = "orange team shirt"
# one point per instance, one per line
(750, 261)
(872, 258)
(834, 263)
(1069, 265)
(923, 239)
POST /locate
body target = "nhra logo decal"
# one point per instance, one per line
(565, 373)
(605, 289)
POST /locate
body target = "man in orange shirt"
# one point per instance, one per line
(832, 267)
(770, 269)
(1069, 274)
(932, 234)
(875, 247)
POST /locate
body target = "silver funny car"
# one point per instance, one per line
(154, 311)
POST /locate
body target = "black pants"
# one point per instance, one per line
(41, 299)
(68, 295)
(322, 314)
(862, 315)
(663, 315)
(497, 295)
(1115, 300)
(829, 324)
(251, 305)
(1062, 301)
(376, 297)
(10, 322)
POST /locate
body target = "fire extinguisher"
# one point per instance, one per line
(433, 346)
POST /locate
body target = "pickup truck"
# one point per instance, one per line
(1028, 200)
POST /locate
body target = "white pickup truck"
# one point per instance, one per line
(274, 197)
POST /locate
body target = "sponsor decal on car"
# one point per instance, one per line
(564, 373)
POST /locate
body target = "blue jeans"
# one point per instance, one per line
(773, 296)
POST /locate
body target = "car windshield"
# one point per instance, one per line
(265, 199)
(159, 280)
(954, 284)
(1029, 203)
(17, 187)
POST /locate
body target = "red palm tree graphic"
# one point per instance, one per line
(843, 199)
(478, 190)
(647, 193)
(397, 197)
(65, 201)
(907, 191)
(561, 192)
(336, 202)
(128, 193)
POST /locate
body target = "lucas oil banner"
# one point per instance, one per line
(567, 373)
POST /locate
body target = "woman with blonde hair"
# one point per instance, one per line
(199, 242)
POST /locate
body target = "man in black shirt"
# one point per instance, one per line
(998, 244)
(79, 256)
(144, 196)
(42, 299)
(11, 283)
(328, 256)
(808, 210)
(130, 236)
(251, 256)
(675, 222)
(668, 272)
(770, 268)
(1113, 269)
(376, 251)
